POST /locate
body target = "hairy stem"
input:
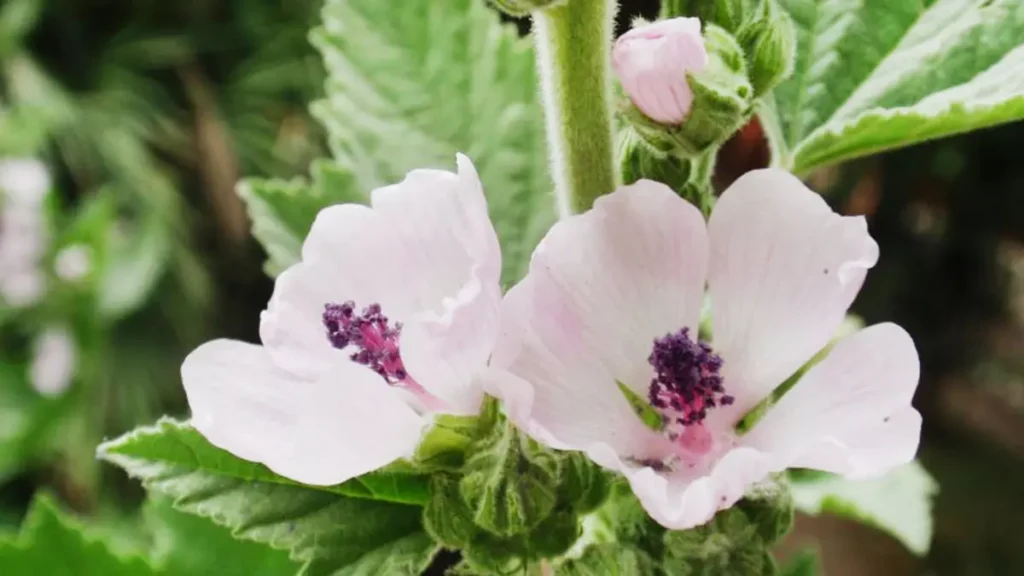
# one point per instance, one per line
(573, 53)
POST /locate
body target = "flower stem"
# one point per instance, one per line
(698, 189)
(573, 52)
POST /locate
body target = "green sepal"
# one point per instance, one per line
(769, 507)
(584, 486)
(723, 101)
(510, 481)
(629, 523)
(446, 517)
(521, 8)
(444, 444)
(609, 559)
(728, 14)
(769, 43)
(648, 415)
(728, 544)
(555, 535)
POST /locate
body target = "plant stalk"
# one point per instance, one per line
(573, 55)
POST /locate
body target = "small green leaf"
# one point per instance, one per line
(881, 74)
(650, 417)
(609, 560)
(339, 530)
(899, 503)
(804, 563)
(53, 545)
(177, 444)
(769, 506)
(184, 544)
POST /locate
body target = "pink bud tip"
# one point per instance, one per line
(652, 62)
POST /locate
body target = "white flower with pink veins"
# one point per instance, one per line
(613, 297)
(390, 317)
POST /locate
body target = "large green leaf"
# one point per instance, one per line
(899, 503)
(172, 444)
(340, 530)
(53, 545)
(187, 545)
(871, 75)
(409, 87)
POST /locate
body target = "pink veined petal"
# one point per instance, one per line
(551, 392)
(324, 431)
(421, 248)
(680, 499)
(784, 269)
(851, 413)
(601, 287)
(445, 353)
(449, 341)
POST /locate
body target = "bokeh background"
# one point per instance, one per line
(148, 112)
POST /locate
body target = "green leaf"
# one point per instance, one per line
(334, 531)
(187, 545)
(55, 545)
(444, 444)
(872, 75)
(283, 211)
(177, 445)
(26, 419)
(899, 503)
(410, 87)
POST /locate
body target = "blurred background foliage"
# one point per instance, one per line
(147, 114)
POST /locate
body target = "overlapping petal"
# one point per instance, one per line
(784, 269)
(319, 431)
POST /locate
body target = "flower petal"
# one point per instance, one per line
(851, 413)
(682, 499)
(346, 423)
(601, 287)
(784, 269)
(449, 342)
(423, 242)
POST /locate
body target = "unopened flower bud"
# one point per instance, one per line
(719, 98)
(653, 61)
(728, 14)
(520, 8)
(769, 42)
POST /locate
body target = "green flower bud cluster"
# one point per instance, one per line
(500, 497)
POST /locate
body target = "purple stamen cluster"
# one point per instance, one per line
(370, 333)
(687, 382)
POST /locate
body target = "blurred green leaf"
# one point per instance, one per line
(881, 74)
(187, 545)
(179, 446)
(408, 88)
(26, 419)
(899, 503)
(51, 544)
(332, 530)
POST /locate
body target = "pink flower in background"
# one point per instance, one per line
(652, 62)
(54, 360)
(390, 316)
(24, 237)
(613, 298)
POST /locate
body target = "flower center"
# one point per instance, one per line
(687, 382)
(370, 333)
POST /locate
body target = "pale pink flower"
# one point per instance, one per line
(389, 317)
(652, 62)
(24, 236)
(73, 263)
(615, 295)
